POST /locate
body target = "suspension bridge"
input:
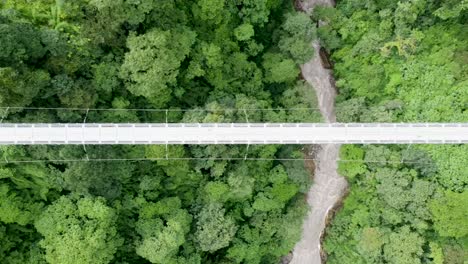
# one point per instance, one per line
(247, 133)
(231, 133)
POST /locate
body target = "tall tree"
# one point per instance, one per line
(403, 247)
(215, 230)
(296, 35)
(450, 214)
(163, 227)
(81, 230)
(152, 65)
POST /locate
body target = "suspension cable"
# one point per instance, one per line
(207, 159)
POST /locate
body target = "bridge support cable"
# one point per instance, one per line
(402, 156)
(246, 116)
(5, 114)
(166, 116)
(167, 152)
(246, 151)
(248, 144)
(212, 159)
(83, 135)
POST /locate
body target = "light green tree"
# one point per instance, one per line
(451, 9)
(172, 168)
(163, 227)
(79, 230)
(450, 213)
(370, 244)
(244, 32)
(214, 230)
(152, 65)
(15, 209)
(403, 247)
(279, 69)
(216, 191)
(352, 163)
(210, 10)
(437, 253)
(240, 185)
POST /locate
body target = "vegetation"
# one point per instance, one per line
(400, 61)
(394, 61)
(209, 55)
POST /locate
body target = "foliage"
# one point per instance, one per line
(82, 230)
(449, 212)
(177, 54)
(214, 229)
(351, 165)
(279, 69)
(163, 227)
(403, 246)
(295, 37)
(149, 79)
(399, 61)
(14, 209)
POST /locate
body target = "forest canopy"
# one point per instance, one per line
(204, 55)
(394, 61)
(400, 61)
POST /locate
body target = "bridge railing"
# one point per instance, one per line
(233, 133)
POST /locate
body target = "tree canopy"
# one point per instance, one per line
(209, 56)
(399, 61)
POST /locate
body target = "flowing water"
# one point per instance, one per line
(328, 187)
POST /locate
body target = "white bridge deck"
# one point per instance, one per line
(234, 133)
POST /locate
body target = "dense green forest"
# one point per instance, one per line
(209, 55)
(400, 61)
(394, 61)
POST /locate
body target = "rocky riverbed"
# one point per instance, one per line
(328, 186)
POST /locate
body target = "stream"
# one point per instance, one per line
(328, 187)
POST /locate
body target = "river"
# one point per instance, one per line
(328, 186)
